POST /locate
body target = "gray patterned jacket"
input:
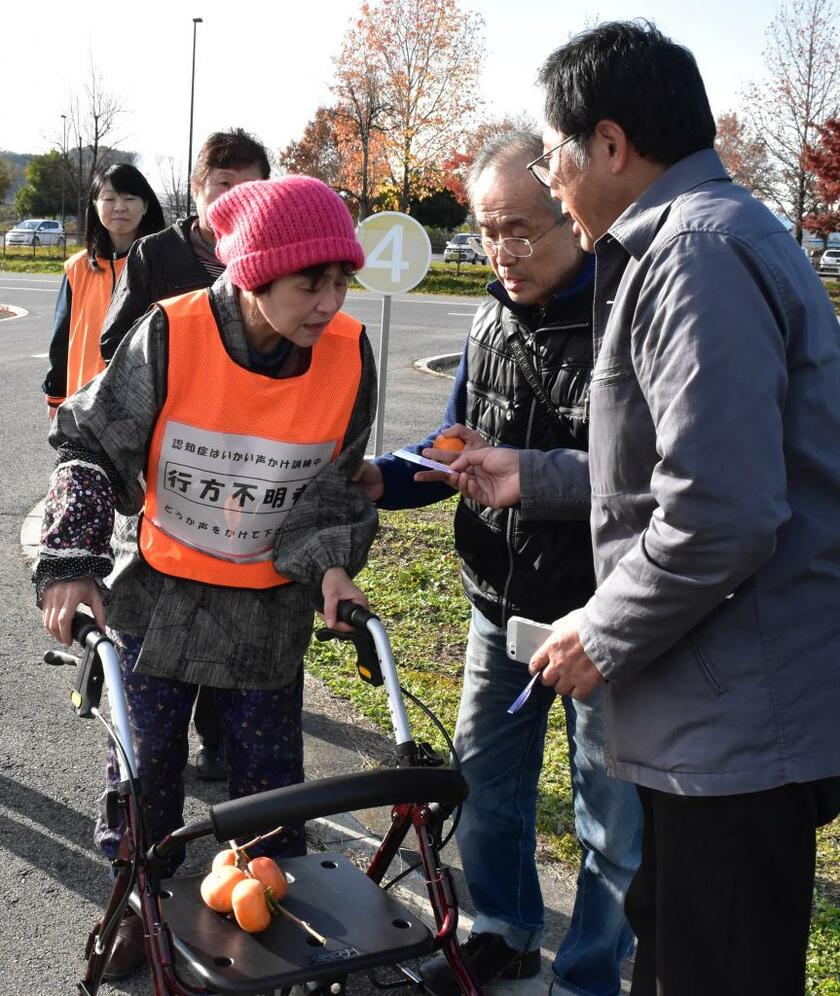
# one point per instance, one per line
(715, 471)
(197, 633)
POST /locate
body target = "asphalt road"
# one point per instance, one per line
(53, 882)
(421, 325)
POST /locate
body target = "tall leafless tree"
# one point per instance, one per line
(175, 188)
(801, 90)
(91, 120)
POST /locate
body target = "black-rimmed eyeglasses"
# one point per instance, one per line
(539, 167)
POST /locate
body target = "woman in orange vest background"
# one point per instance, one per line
(122, 207)
(245, 408)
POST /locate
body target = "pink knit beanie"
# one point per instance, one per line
(269, 228)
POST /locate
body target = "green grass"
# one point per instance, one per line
(833, 288)
(442, 278)
(412, 581)
(46, 260)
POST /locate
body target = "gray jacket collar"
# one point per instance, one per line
(636, 228)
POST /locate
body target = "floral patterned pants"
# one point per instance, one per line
(262, 735)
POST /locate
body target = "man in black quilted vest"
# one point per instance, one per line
(523, 382)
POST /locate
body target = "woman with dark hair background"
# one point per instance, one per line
(121, 208)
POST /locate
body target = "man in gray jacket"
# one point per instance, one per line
(715, 473)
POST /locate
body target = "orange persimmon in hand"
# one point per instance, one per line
(451, 443)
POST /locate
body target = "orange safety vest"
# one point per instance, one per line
(232, 450)
(92, 290)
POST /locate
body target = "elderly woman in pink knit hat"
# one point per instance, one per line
(234, 418)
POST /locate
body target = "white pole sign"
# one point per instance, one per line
(397, 257)
(397, 252)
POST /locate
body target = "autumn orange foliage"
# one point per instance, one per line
(406, 88)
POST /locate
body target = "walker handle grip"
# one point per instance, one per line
(82, 626)
(352, 613)
(295, 804)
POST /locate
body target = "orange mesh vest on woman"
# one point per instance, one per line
(92, 291)
(233, 450)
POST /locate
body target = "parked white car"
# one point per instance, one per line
(35, 232)
(830, 263)
(465, 248)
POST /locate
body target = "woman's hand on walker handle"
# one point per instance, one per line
(59, 604)
(337, 587)
(563, 662)
(489, 476)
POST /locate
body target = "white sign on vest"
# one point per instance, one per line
(397, 257)
(228, 494)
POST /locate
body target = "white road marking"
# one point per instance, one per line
(38, 290)
(399, 298)
(39, 356)
(30, 278)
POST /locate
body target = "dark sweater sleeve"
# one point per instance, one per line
(131, 300)
(401, 490)
(334, 523)
(55, 382)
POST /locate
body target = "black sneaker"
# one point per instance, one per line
(488, 957)
(210, 763)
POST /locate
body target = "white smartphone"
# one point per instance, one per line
(524, 636)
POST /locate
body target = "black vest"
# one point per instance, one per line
(542, 569)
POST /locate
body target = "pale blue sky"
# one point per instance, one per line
(266, 64)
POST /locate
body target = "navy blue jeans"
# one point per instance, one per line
(262, 735)
(501, 757)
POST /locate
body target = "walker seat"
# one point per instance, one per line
(364, 926)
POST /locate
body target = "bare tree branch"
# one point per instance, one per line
(802, 89)
(175, 188)
(91, 119)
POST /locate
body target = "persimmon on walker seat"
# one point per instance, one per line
(338, 920)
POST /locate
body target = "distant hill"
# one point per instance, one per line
(18, 161)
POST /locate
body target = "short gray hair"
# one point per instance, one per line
(511, 146)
